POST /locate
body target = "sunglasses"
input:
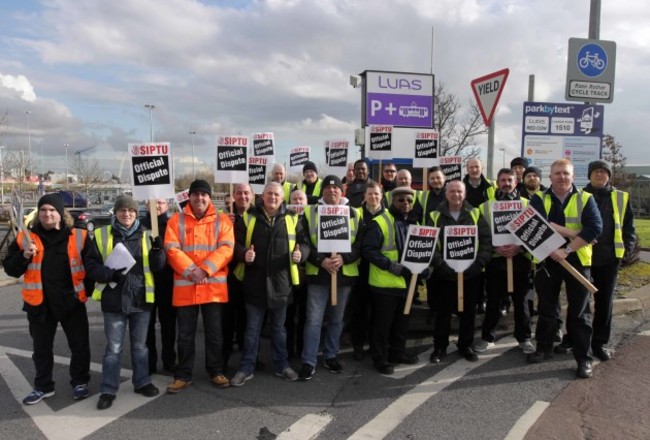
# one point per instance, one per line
(390, 171)
(405, 199)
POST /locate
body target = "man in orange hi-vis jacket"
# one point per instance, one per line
(199, 243)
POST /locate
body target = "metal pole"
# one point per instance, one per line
(193, 172)
(29, 143)
(594, 20)
(150, 107)
(531, 87)
(2, 176)
(490, 150)
(66, 168)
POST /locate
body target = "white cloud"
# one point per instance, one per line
(19, 83)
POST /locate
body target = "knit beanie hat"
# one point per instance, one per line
(125, 201)
(599, 165)
(522, 161)
(200, 185)
(533, 170)
(53, 200)
(309, 165)
(332, 180)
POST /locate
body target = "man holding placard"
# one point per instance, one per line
(332, 269)
(458, 265)
(574, 214)
(382, 247)
(508, 262)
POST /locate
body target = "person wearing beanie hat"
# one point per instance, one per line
(52, 248)
(127, 296)
(617, 240)
(311, 184)
(599, 165)
(331, 179)
(518, 165)
(199, 242)
(200, 185)
(532, 182)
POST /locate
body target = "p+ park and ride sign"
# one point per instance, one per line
(591, 68)
(397, 98)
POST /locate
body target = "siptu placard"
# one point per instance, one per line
(333, 228)
(263, 145)
(452, 167)
(257, 168)
(460, 246)
(380, 142)
(425, 152)
(337, 160)
(151, 171)
(420, 245)
(501, 213)
(232, 159)
(297, 158)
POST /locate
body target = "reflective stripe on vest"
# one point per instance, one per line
(315, 192)
(311, 214)
(290, 223)
(104, 240)
(32, 291)
(572, 216)
(382, 278)
(619, 204)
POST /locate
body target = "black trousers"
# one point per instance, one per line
(167, 318)
(548, 281)
(446, 300)
(233, 318)
(43, 330)
(361, 303)
(295, 320)
(187, 321)
(497, 289)
(390, 326)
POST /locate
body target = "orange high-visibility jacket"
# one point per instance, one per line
(207, 243)
(33, 282)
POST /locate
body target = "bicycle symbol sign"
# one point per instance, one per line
(592, 60)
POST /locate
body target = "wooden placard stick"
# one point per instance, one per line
(578, 276)
(461, 296)
(334, 290)
(410, 294)
(509, 270)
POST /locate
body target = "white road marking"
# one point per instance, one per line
(519, 430)
(645, 333)
(307, 428)
(391, 417)
(83, 415)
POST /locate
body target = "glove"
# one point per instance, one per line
(117, 275)
(425, 274)
(156, 243)
(406, 273)
(396, 269)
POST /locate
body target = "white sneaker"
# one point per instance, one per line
(527, 347)
(482, 346)
(240, 379)
(288, 374)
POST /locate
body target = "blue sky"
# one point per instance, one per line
(85, 69)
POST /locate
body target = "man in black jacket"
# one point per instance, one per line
(164, 281)
(50, 256)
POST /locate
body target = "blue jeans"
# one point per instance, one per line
(114, 330)
(254, 320)
(318, 302)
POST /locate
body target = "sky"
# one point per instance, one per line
(85, 70)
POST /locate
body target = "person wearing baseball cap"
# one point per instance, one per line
(311, 184)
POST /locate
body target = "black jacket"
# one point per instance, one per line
(356, 192)
(440, 268)
(128, 296)
(58, 293)
(604, 247)
(267, 280)
(164, 279)
(478, 195)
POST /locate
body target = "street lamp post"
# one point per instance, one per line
(503, 152)
(66, 167)
(2, 176)
(29, 144)
(193, 173)
(150, 107)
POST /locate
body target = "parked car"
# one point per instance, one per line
(90, 218)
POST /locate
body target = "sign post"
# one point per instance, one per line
(417, 255)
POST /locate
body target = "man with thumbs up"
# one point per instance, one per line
(268, 257)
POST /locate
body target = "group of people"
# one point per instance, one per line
(256, 261)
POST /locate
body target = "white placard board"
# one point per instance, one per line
(379, 141)
(460, 246)
(151, 170)
(337, 157)
(333, 229)
(297, 158)
(419, 248)
(502, 213)
(231, 165)
(533, 231)
(425, 149)
(264, 146)
(257, 170)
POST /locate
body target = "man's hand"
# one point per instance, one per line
(296, 255)
(199, 276)
(508, 250)
(249, 257)
(558, 255)
(30, 251)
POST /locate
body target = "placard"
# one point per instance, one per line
(380, 142)
(263, 145)
(337, 159)
(460, 246)
(502, 213)
(257, 167)
(232, 160)
(425, 149)
(334, 229)
(151, 171)
(297, 158)
(419, 248)
(452, 167)
(181, 197)
(533, 231)
(296, 209)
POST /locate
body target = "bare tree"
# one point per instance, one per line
(456, 127)
(613, 154)
(88, 172)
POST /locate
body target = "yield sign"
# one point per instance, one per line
(487, 90)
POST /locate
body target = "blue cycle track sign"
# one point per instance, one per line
(591, 68)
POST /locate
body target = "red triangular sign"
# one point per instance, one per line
(487, 91)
